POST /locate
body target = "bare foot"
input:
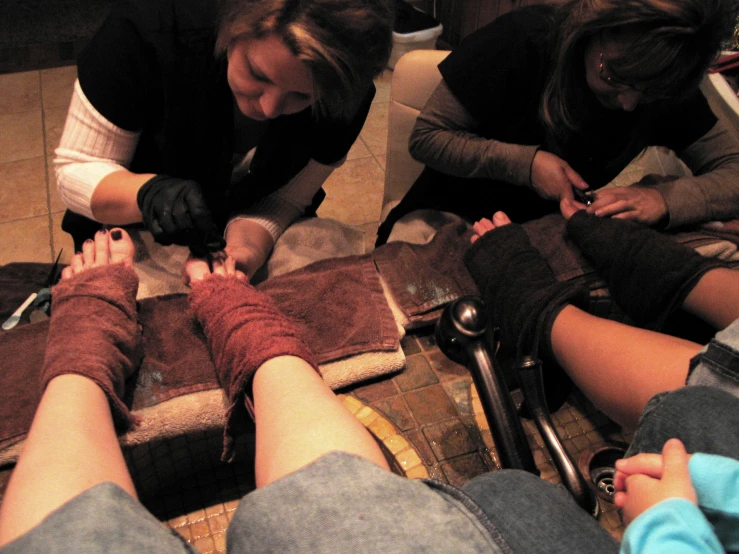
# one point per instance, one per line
(112, 246)
(485, 225)
(196, 269)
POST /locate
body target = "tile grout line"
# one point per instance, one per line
(50, 219)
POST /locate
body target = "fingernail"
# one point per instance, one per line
(116, 234)
(89, 241)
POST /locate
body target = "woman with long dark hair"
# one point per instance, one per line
(548, 100)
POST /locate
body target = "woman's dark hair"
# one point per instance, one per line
(673, 44)
(345, 43)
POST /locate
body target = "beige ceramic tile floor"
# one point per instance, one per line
(33, 107)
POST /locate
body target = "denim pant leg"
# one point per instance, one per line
(344, 504)
(717, 365)
(537, 517)
(705, 419)
(102, 519)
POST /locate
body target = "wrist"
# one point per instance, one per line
(247, 258)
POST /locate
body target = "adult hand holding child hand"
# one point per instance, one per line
(647, 479)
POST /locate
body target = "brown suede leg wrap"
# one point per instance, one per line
(94, 332)
(244, 329)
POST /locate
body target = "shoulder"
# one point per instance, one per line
(511, 42)
(532, 24)
(164, 16)
(122, 66)
(685, 122)
(502, 63)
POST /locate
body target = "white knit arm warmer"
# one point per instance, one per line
(280, 209)
(90, 149)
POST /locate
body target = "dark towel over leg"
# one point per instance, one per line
(649, 275)
(522, 295)
(94, 332)
(244, 329)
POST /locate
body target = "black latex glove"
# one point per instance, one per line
(175, 212)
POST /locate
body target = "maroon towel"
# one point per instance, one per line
(176, 361)
(176, 357)
(340, 305)
(245, 329)
(21, 360)
(95, 333)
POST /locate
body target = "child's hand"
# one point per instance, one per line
(646, 479)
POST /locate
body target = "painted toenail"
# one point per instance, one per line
(102, 231)
(116, 234)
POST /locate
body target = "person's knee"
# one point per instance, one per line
(689, 404)
(517, 484)
(705, 419)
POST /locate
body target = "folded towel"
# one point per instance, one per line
(423, 278)
(176, 357)
(341, 303)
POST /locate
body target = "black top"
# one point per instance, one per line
(498, 74)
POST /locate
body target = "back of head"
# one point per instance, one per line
(669, 45)
(345, 43)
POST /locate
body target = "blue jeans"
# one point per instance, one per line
(342, 503)
(717, 365)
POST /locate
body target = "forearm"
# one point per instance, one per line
(251, 235)
(713, 192)
(444, 139)
(114, 199)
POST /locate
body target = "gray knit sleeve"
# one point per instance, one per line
(444, 138)
(712, 193)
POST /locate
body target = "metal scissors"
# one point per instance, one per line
(41, 300)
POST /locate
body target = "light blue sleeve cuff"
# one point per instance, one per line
(716, 482)
(676, 526)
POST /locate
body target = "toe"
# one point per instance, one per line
(67, 273)
(501, 218)
(88, 253)
(77, 264)
(196, 269)
(230, 266)
(101, 248)
(120, 247)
